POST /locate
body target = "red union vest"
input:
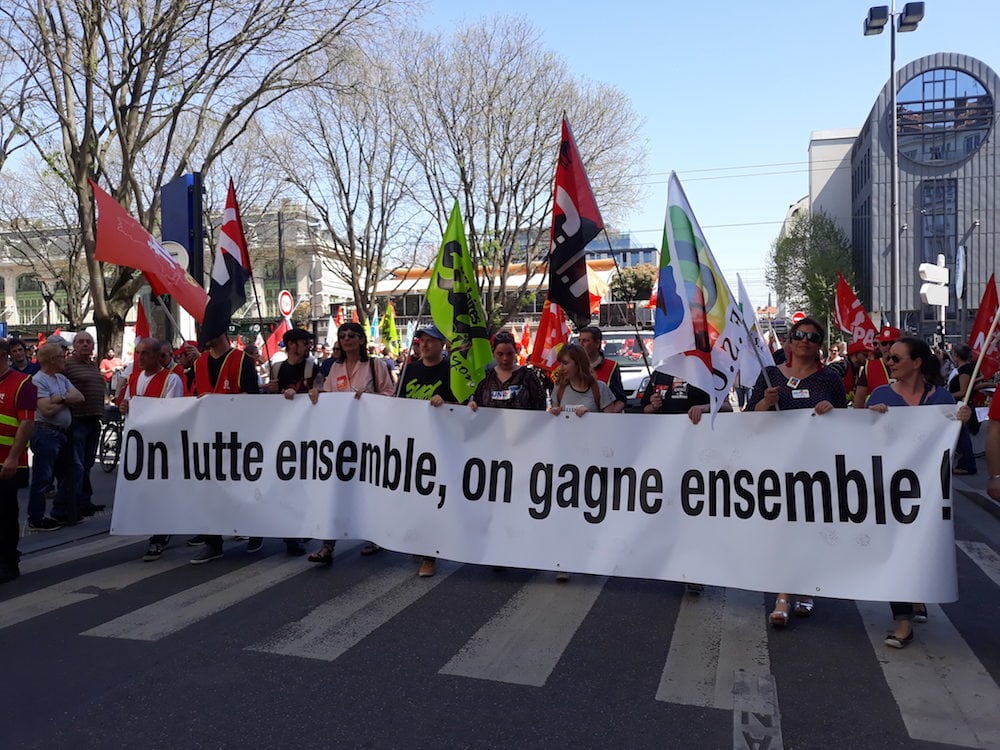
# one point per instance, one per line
(155, 388)
(603, 371)
(877, 374)
(10, 389)
(229, 375)
(178, 370)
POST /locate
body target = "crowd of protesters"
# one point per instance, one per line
(54, 401)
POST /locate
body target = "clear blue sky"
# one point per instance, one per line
(730, 92)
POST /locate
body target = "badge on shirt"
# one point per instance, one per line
(794, 382)
(343, 383)
(800, 393)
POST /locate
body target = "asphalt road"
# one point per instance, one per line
(98, 649)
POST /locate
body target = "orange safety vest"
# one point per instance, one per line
(876, 373)
(10, 389)
(229, 375)
(155, 388)
(603, 371)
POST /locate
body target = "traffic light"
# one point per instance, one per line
(934, 290)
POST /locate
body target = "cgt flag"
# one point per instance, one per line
(227, 290)
(576, 220)
(851, 317)
(453, 298)
(123, 241)
(988, 308)
(699, 327)
(552, 335)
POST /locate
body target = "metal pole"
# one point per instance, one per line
(894, 168)
(281, 249)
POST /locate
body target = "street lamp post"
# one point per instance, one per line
(906, 20)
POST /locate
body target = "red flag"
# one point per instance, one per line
(339, 319)
(123, 241)
(977, 337)
(525, 343)
(354, 316)
(141, 331)
(576, 220)
(851, 317)
(271, 345)
(552, 335)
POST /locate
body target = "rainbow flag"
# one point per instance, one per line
(698, 327)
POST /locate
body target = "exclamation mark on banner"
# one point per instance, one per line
(946, 485)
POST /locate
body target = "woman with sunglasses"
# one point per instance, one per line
(917, 375)
(352, 371)
(801, 382)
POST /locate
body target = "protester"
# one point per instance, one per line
(19, 360)
(186, 355)
(222, 369)
(576, 387)
(18, 399)
(958, 386)
(428, 379)
(916, 374)
(604, 369)
(508, 385)
(993, 449)
(298, 373)
(85, 375)
(875, 372)
(109, 366)
(833, 355)
(52, 424)
(353, 371)
(152, 380)
(801, 383)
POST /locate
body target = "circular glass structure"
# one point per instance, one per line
(942, 115)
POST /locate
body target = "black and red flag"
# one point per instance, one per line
(576, 220)
(227, 290)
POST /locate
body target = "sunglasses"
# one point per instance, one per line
(894, 358)
(348, 335)
(811, 336)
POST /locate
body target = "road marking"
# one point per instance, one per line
(174, 613)
(32, 563)
(341, 623)
(983, 556)
(756, 721)
(716, 634)
(943, 692)
(524, 641)
(79, 589)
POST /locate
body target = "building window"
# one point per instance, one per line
(939, 226)
(940, 109)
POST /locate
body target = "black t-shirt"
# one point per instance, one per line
(966, 369)
(678, 395)
(423, 382)
(294, 376)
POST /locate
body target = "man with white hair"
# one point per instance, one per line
(85, 375)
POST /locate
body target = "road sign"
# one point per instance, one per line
(935, 289)
(797, 316)
(286, 303)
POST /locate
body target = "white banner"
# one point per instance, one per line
(849, 504)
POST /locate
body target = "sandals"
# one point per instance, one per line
(370, 549)
(779, 617)
(803, 608)
(322, 556)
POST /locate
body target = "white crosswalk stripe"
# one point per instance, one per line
(81, 588)
(983, 556)
(71, 552)
(524, 641)
(169, 615)
(334, 627)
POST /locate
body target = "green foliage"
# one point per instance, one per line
(634, 282)
(804, 265)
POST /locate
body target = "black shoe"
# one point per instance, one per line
(65, 520)
(196, 541)
(46, 524)
(155, 552)
(295, 549)
(89, 510)
(208, 554)
(8, 572)
(255, 543)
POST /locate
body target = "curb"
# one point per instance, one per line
(985, 502)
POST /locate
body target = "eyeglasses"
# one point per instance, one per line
(886, 343)
(348, 335)
(811, 336)
(894, 358)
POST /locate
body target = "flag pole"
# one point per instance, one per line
(982, 354)
(635, 318)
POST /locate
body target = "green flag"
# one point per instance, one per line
(390, 336)
(453, 297)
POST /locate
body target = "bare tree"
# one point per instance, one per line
(142, 92)
(481, 112)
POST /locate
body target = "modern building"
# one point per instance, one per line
(948, 169)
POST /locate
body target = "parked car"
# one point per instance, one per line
(625, 347)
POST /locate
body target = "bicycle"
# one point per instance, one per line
(109, 444)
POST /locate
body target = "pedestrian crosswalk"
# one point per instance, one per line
(719, 653)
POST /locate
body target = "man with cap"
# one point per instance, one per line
(875, 372)
(298, 372)
(853, 366)
(428, 379)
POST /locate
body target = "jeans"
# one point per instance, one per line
(75, 492)
(46, 445)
